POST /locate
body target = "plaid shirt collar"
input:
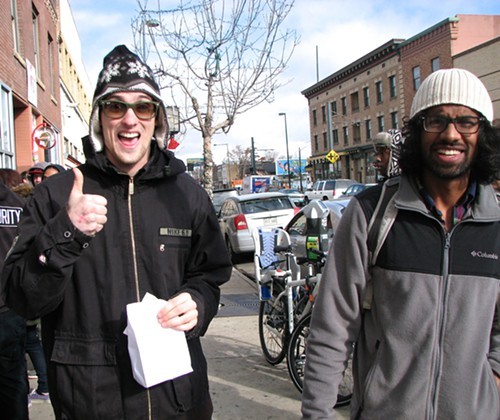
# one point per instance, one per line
(459, 210)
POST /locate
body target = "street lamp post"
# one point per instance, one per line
(146, 24)
(228, 168)
(283, 114)
(300, 171)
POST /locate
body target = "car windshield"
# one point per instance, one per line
(219, 197)
(268, 204)
(343, 184)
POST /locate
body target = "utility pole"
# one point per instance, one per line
(283, 114)
(300, 172)
(253, 159)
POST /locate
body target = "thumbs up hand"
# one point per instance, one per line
(87, 212)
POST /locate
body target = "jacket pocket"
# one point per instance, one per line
(369, 379)
(84, 351)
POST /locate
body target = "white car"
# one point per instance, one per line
(241, 214)
(328, 189)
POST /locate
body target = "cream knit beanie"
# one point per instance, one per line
(453, 86)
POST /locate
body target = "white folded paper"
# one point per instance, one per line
(157, 354)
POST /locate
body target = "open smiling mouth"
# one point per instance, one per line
(129, 139)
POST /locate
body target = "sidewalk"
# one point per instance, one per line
(242, 384)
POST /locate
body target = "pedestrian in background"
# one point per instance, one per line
(35, 173)
(427, 336)
(92, 240)
(52, 169)
(387, 149)
(10, 177)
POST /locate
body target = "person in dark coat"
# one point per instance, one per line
(129, 221)
(13, 378)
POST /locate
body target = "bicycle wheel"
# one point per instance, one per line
(296, 357)
(273, 330)
(296, 361)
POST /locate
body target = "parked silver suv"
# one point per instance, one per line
(328, 189)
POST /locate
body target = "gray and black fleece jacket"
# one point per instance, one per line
(162, 237)
(429, 346)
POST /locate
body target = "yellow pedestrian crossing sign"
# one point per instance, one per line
(332, 156)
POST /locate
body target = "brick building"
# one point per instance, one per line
(30, 108)
(375, 92)
(29, 78)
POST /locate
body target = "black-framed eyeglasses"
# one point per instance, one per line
(439, 123)
(144, 110)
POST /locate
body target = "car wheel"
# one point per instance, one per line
(234, 256)
(306, 200)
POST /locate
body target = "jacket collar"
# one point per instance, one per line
(485, 206)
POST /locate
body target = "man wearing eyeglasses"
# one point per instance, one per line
(423, 315)
(129, 221)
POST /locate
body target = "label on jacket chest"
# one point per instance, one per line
(178, 232)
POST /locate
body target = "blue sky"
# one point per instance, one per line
(341, 30)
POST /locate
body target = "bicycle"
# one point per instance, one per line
(282, 300)
(296, 361)
(297, 347)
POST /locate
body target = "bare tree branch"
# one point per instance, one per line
(224, 57)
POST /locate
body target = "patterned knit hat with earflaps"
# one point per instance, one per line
(124, 71)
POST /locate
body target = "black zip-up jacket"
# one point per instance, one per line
(161, 237)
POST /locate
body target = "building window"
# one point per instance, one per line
(416, 77)
(36, 41)
(7, 134)
(344, 105)
(368, 129)
(346, 135)
(380, 95)
(323, 114)
(50, 59)
(325, 141)
(315, 118)
(354, 102)
(316, 142)
(435, 64)
(356, 132)
(334, 108)
(335, 137)
(392, 86)
(380, 122)
(15, 26)
(366, 96)
(394, 119)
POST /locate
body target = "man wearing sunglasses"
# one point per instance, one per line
(128, 222)
(424, 314)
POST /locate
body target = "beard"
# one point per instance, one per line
(445, 170)
(448, 171)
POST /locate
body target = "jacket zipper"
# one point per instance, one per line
(445, 273)
(131, 191)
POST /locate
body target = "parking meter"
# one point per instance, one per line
(316, 229)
